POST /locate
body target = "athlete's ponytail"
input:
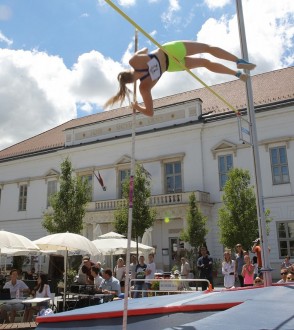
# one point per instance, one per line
(125, 77)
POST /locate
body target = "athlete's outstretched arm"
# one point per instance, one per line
(148, 101)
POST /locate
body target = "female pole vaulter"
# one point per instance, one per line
(149, 67)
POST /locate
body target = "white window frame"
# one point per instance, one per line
(174, 175)
(51, 190)
(289, 250)
(227, 169)
(120, 180)
(23, 197)
(279, 166)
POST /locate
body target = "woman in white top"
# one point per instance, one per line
(42, 290)
(120, 272)
(228, 270)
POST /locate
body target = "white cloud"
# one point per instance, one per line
(127, 3)
(34, 94)
(269, 33)
(212, 4)
(5, 40)
(94, 78)
(128, 54)
(169, 17)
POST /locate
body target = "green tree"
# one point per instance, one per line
(143, 214)
(196, 230)
(238, 221)
(68, 204)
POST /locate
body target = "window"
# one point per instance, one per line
(279, 163)
(51, 190)
(286, 238)
(173, 177)
(225, 163)
(22, 201)
(122, 176)
(88, 178)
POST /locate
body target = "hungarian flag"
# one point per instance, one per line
(100, 180)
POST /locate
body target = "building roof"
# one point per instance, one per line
(268, 88)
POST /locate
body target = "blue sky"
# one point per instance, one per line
(60, 58)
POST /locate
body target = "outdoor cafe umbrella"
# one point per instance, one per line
(115, 244)
(67, 242)
(15, 244)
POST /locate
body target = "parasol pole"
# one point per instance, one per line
(131, 194)
(65, 278)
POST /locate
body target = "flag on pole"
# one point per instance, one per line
(100, 180)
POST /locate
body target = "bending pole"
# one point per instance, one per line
(131, 195)
(267, 276)
(170, 55)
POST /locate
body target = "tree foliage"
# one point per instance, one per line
(68, 204)
(143, 215)
(238, 221)
(196, 229)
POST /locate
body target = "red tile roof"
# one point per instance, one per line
(270, 87)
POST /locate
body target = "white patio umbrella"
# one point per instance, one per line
(15, 244)
(111, 234)
(114, 244)
(67, 242)
(147, 236)
(18, 242)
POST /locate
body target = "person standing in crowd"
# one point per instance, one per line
(256, 248)
(286, 264)
(239, 263)
(248, 271)
(255, 265)
(140, 275)
(120, 272)
(150, 271)
(99, 266)
(16, 287)
(185, 270)
(228, 270)
(133, 265)
(204, 264)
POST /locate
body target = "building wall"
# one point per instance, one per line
(198, 145)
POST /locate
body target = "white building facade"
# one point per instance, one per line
(182, 153)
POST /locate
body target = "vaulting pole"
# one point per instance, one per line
(131, 194)
(267, 276)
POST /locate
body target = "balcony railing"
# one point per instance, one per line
(157, 200)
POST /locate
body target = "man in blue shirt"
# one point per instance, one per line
(110, 284)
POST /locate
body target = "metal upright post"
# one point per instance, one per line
(267, 276)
